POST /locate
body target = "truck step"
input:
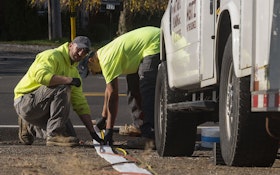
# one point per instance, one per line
(193, 106)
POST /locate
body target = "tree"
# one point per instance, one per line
(134, 8)
(131, 9)
(54, 18)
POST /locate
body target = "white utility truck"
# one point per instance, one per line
(221, 63)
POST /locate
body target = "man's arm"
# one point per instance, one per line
(111, 101)
(86, 119)
(58, 80)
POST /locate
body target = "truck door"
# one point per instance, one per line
(183, 61)
(208, 16)
(192, 32)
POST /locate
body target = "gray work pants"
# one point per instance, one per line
(134, 99)
(47, 111)
(141, 94)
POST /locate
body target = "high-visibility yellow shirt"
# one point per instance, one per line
(124, 54)
(47, 64)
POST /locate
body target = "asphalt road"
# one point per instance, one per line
(14, 64)
(93, 89)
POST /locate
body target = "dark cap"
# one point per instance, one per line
(82, 42)
(83, 65)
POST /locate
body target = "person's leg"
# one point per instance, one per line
(134, 103)
(46, 109)
(148, 73)
(134, 99)
(37, 131)
(59, 111)
(24, 135)
(31, 117)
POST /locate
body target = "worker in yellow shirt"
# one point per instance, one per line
(43, 97)
(135, 54)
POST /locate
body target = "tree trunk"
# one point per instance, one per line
(125, 19)
(54, 19)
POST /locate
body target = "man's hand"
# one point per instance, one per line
(101, 123)
(108, 137)
(76, 82)
(96, 137)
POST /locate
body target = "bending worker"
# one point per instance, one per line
(135, 54)
(43, 96)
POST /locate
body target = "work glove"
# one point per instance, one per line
(108, 137)
(101, 123)
(96, 137)
(75, 82)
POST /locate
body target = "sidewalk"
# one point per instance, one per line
(20, 48)
(16, 58)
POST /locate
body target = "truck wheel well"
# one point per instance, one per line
(224, 30)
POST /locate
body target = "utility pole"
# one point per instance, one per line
(54, 19)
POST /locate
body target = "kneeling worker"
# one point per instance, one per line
(44, 95)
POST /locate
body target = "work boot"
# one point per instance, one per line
(130, 130)
(23, 134)
(60, 140)
(141, 143)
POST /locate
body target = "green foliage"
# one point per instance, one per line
(144, 6)
(20, 19)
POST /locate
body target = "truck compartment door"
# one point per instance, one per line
(183, 61)
(208, 15)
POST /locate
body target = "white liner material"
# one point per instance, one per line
(107, 153)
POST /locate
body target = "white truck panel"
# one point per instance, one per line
(186, 72)
(246, 31)
(183, 57)
(165, 31)
(208, 16)
(262, 43)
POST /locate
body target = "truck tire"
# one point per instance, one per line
(244, 140)
(175, 132)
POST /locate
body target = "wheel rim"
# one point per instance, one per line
(229, 104)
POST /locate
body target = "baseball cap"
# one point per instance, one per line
(83, 65)
(82, 42)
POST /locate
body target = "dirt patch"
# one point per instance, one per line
(39, 159)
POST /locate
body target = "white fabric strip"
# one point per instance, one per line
(107, 153)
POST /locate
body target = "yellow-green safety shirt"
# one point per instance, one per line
(47, 64)
(124, 54)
